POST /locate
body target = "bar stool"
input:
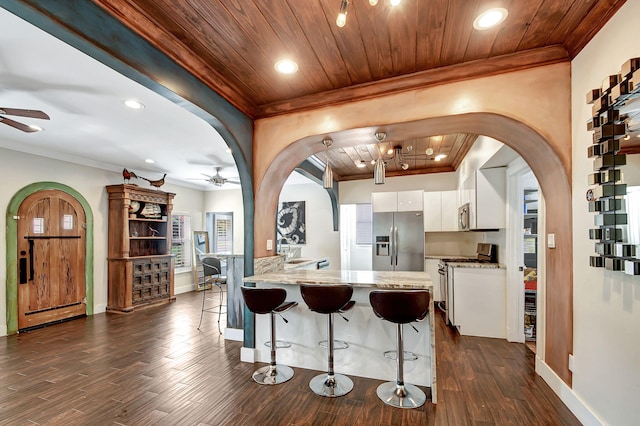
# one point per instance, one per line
(269, 301)
(328, 299)
(211, 267)
(340, 344)
(400, 307)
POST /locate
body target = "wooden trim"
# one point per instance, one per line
(597, 17)
(12, 241)
(434, 77)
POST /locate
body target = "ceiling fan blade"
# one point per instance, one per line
(31, 113)
(233, 181)
(15, 124)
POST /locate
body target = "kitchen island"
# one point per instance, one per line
(367, 335)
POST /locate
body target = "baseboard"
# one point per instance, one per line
(236, 334)
(3, 330)
(98, 309)
(184, 289)
(247, 355)
(567, 395)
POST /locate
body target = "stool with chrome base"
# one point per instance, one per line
(269, 301)
(400, 307)
(340, 344)
(328, 299)
(211, 267)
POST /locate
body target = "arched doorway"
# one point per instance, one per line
(546, 164)
(50, 298)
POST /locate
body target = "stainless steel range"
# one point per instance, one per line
(485, 253)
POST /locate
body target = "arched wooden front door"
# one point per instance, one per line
(51, 259)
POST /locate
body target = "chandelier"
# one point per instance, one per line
(344, 8)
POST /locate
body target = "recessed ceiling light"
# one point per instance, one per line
(440, 157)
(360, 164)
(395, 2)
(490, 18)
(390, 151)
(429, 151)
(35, 128)
(286, 66)
(133, 104)
(149, 160)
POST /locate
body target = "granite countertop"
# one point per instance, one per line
(446, 256)
(380, 279)
(476, 265)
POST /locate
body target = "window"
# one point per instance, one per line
(363, 224)
(220, 228)
(181, 240)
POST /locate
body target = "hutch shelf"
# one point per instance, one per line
(139, 259)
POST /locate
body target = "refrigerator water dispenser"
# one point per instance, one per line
(382, 246)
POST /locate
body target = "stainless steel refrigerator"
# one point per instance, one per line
(398, 241)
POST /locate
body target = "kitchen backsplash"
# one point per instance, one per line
(462, 243)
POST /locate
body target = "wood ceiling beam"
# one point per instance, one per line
(434, 77)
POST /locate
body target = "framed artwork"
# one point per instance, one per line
(290, 223)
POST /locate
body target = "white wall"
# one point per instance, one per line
(322, 240)
(223, 201)
(606, 374)
(18, 170)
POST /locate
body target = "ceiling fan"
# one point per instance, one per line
(31, 113)
(216, 179)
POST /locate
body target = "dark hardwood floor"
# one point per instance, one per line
(155, 367)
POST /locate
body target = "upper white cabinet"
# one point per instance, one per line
(410, 201)
(485, 191)
(440, 211)
(403, 201)
(384, 202)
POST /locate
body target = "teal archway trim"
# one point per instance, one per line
(12, 245)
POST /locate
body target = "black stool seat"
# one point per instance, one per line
(400, 307)
(269, 301)
(328, 299)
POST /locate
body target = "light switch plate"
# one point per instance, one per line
(551, 240)
(269, 244)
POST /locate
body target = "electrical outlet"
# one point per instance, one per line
(269, 244)
(571, 362)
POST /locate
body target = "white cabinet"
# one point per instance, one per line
(410, 201)
(431, 267)
(485, 190)
(479, 301)
(403, 201)
(440, 211)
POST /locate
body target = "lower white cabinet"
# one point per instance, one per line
(479, 301)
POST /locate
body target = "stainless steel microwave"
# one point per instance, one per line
(463, 217)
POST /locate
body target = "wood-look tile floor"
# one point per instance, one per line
(154, 367)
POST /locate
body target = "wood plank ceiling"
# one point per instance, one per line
(233, 45)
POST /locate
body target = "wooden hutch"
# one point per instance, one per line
(139, 257)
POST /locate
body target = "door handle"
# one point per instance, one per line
(31, 272)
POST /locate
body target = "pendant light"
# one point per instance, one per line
(327, 176)
(379, 167)
(342, 15)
